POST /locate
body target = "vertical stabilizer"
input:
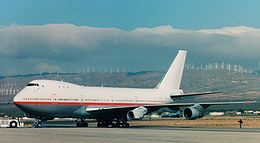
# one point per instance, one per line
(172, 78)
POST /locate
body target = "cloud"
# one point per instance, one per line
(68, 45)
(44, 67)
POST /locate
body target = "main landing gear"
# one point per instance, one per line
(117, 123)
(81, 123)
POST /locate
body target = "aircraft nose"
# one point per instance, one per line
(17, 97)
(18, 101)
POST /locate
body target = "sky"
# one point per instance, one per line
(66, 35)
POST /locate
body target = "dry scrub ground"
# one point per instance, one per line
(208, 121)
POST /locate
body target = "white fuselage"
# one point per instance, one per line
(60, 98)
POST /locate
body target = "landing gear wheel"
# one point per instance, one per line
(13, 124)
(103, 124)
(82, 123)
(98, 124)
(117, 123)
(125, 125)
(37, 124)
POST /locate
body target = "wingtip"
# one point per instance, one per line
(250, 102)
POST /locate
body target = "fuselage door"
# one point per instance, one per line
(81, 99)
(54, 98)
(112, 100)
(135, 99)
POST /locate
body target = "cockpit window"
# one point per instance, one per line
(32, 84)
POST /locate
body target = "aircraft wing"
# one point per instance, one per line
(174, 106)
(193, 94)
(204, 105)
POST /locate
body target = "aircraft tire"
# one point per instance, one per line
(78, 124)
(39, 125)
(98, 124)
(125, 125)
(82, 124)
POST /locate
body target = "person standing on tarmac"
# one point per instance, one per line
(240, 123)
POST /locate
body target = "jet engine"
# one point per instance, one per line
(137, 113)
(193, 112)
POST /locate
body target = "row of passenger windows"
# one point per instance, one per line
(148, 101)
(42, 99)
(66, 99)
(63, 99)
(64, 86)
(96, 100)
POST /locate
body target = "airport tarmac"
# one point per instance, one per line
(135, 134)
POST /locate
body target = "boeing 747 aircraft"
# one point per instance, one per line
(48, 99)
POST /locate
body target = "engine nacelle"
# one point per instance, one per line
(193, 112)
(137, 114)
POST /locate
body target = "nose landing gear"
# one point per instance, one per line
(37, 124)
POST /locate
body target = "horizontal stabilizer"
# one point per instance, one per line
(193, 94)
